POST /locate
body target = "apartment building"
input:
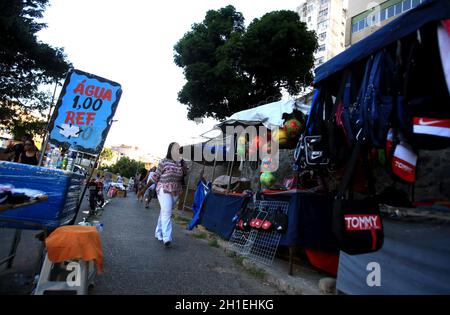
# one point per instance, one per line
(366, 16)
(328, 19)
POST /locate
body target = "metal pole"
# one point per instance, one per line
(187, 186)
(232, 166)
(231, 173)
(214, 167)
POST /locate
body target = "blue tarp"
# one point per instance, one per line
(219, 212)
(199, 198)
(409, 22)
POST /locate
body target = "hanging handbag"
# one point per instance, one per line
(356, 223)
(312, 148)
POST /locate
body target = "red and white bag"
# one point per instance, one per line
(432, 126)
(404, 162)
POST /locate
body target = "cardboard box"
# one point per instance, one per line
(121, 193)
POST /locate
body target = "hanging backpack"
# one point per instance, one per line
(338, 143)
(376, 99)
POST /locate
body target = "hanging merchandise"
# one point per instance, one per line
(356, 223)
(267, 165)
(267, 225)
(280, 221)
(280, 135)
(422, 110)
(338, 142)
(244, 215)
(267, 179)
(241, 146)
(444, 49)
(404, 162)
(375, 101)
(253, 146)
(258, 219)
(292, 127)
(312, 147)
(390, 143)
(290, 182)
(241, 149)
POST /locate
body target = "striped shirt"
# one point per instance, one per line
(169, 176)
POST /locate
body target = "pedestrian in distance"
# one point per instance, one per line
(149, 188)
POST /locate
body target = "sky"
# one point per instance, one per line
(131, 42)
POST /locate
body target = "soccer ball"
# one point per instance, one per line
(267, 179)
(292, 127)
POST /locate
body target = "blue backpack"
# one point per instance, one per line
(372, 115)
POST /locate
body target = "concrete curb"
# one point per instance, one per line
(304, 282)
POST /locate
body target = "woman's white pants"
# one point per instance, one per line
(164, 227)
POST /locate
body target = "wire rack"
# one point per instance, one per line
(256, 244)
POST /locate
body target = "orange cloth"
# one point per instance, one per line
(75, 242)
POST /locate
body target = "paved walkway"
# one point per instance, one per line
(136, 263)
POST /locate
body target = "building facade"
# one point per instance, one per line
(328, 19)
(367, 16)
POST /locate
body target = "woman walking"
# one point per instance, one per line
(169, 176)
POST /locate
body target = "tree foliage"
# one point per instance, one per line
(107, 154)
(25, 62)
(126, 167)
(229, 68)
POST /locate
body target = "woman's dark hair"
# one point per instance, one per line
(169, 151)
(31, 142)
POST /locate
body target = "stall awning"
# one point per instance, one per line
(409, 22)
(270, 115)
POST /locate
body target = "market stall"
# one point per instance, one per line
(378, 119)
(221, 208)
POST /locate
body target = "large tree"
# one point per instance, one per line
(25, 62)
(229, 68)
